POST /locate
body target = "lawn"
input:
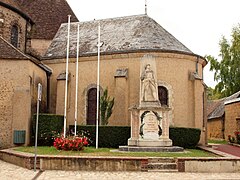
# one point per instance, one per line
(217, 141)
(91, 151)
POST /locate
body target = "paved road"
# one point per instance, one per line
(234, 150)
(13, 172)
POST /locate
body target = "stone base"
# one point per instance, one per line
(150, 104)
(151, 149)
(163, 142)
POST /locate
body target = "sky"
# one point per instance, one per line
(198, 24)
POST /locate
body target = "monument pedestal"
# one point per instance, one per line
(150, 126)
(150, 143)
(150, 130)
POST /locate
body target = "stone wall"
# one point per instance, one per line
(18, 91)
(232, 115)
(12, 18)
(215, 128)
(39, 46)
(173, 69)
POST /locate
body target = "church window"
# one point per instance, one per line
(14, 36)
(91, 106)
(163, 95)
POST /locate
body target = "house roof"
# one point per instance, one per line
(9, 52)
(47, 16)
(16, 7)
(216, 108)
(124, 34)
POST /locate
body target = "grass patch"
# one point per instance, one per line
(91, 151)
(217, 141)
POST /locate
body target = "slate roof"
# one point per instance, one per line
(124, 34)
(218, 110)
(47, 16)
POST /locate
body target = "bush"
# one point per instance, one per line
(184, 137)
(70, 143)
(231, 139)
(237, 134)
(108, 136)
(115, 136)
(49, 125)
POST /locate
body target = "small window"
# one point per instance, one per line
(14, 36)
(163, 95)
(1, 19)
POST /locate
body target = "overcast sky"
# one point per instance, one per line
(198, 24)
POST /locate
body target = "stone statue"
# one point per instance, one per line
(149, 88)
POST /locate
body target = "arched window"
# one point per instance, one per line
(14, 36)
(163, 95)
(91, 106)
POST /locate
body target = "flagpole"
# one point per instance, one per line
(76, 93)
(98, 80)
(66, 83)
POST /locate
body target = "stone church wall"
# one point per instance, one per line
(186, 97)
(11, 18)
(18, 91)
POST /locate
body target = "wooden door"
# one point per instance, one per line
(92, 106)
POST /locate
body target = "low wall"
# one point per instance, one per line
(76, 163)
(92, 163)
(209, 165)
(20, 159)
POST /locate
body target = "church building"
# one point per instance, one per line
(32, 52)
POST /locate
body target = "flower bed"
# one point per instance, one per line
(71, 143)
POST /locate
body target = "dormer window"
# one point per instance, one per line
(14, 35)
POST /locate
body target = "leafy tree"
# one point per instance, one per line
(212, 95)
(106, 107)
(227, 71)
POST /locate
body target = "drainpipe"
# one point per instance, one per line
(26, 38)
(197, 64)
(48, 90)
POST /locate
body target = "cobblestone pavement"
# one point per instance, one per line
(13, 172)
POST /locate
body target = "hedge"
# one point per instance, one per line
(48, 126)
(115, 136)
(184, 137)
(108, 136)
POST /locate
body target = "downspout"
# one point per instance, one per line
(26, 38)
(48, 90)
(197, 64)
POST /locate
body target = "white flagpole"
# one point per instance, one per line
(66, 83)
(76, 93)
(98, 80)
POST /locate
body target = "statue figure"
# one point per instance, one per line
(149, 88)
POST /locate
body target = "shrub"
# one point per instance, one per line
(231, 139)
(237, 134)
(48, 126)
(184, 137)
(73, 143)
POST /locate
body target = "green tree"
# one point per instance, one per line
(227, 70)
(106, 107)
